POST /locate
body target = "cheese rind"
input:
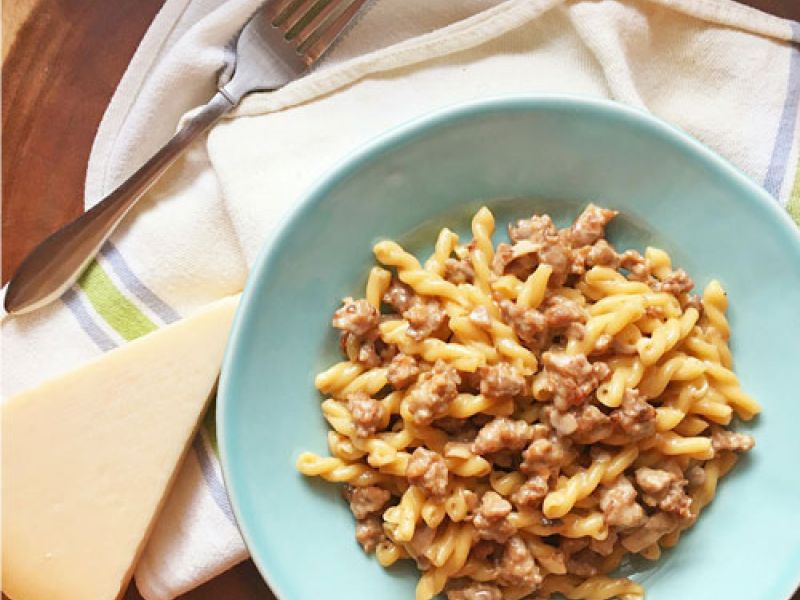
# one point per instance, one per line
(87, 458)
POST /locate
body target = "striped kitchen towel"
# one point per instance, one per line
(727, 74)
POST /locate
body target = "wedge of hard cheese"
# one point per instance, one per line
(88, 458)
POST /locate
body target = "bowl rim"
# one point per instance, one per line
(396, 136)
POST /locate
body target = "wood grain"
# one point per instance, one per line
(62, 60)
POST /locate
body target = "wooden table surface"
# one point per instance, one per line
(62, 60)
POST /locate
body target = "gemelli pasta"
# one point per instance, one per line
(518, 418)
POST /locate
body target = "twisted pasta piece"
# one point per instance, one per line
(659, 262)
(534, 288)
(727, 383)
(715, 304)
(433, 581)
(387, 552)
(675, 367)
(626, 372)
(401, 520)
(666, 336)
(598, 587)
(445, 244)
(610, 323)
(336, 378)
(377, 284)
(337, 470)
(482, 254)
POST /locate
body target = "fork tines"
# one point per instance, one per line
(311, 26)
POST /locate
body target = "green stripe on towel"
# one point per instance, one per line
(793, 204)
(115, 309)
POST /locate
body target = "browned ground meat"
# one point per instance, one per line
(358, 317)
(399, 296)
(367, 413)
(618, 503)
(519, 260)
(403, 371)
(544, 453)
(590, 225)
(604, 547)
(428, 470)
(459, 271)
(536, 229)
(369, 532)
(424, 317)
(558, 255)
(675, 283)
(635, 418)
(490, 520)
(722, 440)
(526, 323)
(665, 490)
(696, 475)
(591, 425)
(636, 265)
(602, 254)
(531, 493)
(572, 377)
(502, 434)
(696, 302)
(584, 563)
(430, 398)
(648, 534)
(560, 312)
(360, 350)
(366, 500)
(518, 567)
(475, 591)
(502, 381)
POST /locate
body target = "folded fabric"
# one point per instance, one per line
(725, 73)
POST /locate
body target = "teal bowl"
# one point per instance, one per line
(516, 155)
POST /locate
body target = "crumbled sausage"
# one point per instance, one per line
(517, 567)
(637, 266)
(490, 520)
(696, 302)
(635, 417)
(561, 312)
(424, 317)
(654, 481)
(502, 434)
(420, 543)
(584, 563)
(572, 377)
(475, 591)
(618, 503)
(458, 271)
(358, 317)
(366, 500)
(590, 225)
(536, 229)
(502, 381)
(480, 317)
(544, 453)
(559, 256)
(722, 439)
(369, 532)
(648, 534)
(403, 371)
(696, 476)
(604, 547)
(675, 501)
(531, 493)
(602, 254)
(519, 260)
(591, 425)
(399, 296)
(367, 413)
(360, 350)
(675, 283)
(431, 397)
(527, 323)
(428, 470)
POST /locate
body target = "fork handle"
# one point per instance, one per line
(55, 264)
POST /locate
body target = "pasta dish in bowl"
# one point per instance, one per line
(516, 419)
(517, 406)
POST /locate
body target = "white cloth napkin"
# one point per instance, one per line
(727, 74)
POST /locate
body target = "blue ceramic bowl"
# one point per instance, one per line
(517, 155)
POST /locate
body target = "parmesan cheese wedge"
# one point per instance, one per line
(88, 458)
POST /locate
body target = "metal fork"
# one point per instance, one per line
(279, 43)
